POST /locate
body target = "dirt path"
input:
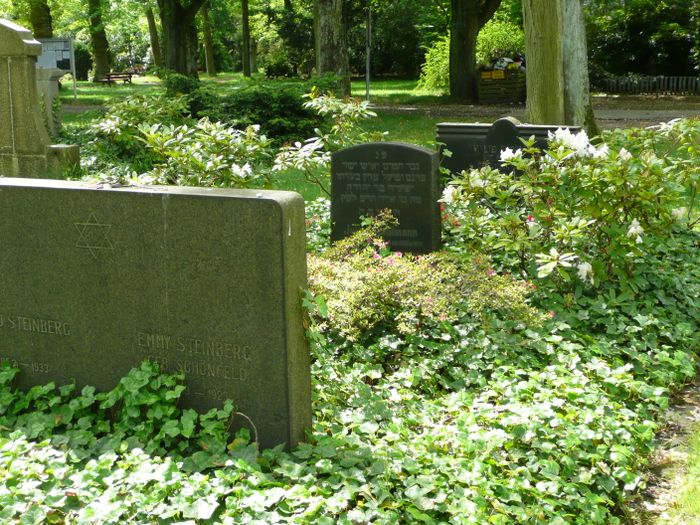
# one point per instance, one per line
(666, 468)
(610, 111)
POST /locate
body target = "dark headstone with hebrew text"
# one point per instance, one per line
(206, 282)
(403, 178)
(477, 145)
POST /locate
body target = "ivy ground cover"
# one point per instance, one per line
(530, 396)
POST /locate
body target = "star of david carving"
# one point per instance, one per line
(94, 236)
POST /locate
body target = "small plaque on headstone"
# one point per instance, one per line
(477, 145)
(202, 281)
(403, 178)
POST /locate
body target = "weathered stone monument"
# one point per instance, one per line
(206, 282)
(25, 147)
(47, 84)
(477, 145)
(368, 178)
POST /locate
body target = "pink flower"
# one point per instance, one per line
(530, 218)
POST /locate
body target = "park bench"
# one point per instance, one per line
(111, 78)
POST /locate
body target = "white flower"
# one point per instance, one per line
(624, 154)
(449, 195)
(635, 230)
(508, 154)
(477, 182)
(600, 152)
(585, 272)
(577, 142)
(679, 213)
(243, 172)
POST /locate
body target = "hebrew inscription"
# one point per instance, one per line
(369, 178)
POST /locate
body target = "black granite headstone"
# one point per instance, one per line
(477, 145)
(368, 178)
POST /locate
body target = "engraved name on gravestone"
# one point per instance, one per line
(203, 281)
(477, 145)
(368, 178)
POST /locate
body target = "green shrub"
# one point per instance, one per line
(435, 71)
(496, 39)
(208, 154)
(575, 216)
(116, 136)
(176, 84)
(367, 289)
(277, 107)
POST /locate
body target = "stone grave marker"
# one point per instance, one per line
(95, 280)
(477, 145)
(368, 178)
(25, 147)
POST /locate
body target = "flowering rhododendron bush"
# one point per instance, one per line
(517, 377)
(577, 215)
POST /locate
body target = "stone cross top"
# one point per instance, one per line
(25, 147)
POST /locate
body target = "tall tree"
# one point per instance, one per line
(468, 17)
(557, 64)
(331, 45)
(98, 38)
(208, 39)
(245, 30)
(154, 38)
(40, 19)
(179, 35)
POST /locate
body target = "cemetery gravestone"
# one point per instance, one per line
(477, 145)
(202, 281)
(25, 148)
(368, 178)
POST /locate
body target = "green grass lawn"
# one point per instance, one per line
(392, 91)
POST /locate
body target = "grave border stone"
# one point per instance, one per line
(485, 141)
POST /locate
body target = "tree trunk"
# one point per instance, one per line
(40, 19)
(208, 40)
(468, 17)
(578, 110)
(545, 65)
(245, 30)
(98, 37)
(464, 28)
(179, 35)
(155, 41)
(331, 46)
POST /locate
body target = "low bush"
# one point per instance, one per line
(277, 107)
(365, 290)
(208, 154)
(115, 138)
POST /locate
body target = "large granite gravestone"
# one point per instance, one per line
(203, 281)
(477, 145)
(25, 147)
(368, 178)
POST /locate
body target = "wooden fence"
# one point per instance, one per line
(661, 85)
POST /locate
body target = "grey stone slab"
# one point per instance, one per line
(477, 145)
(94, 280)
(368, 178)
